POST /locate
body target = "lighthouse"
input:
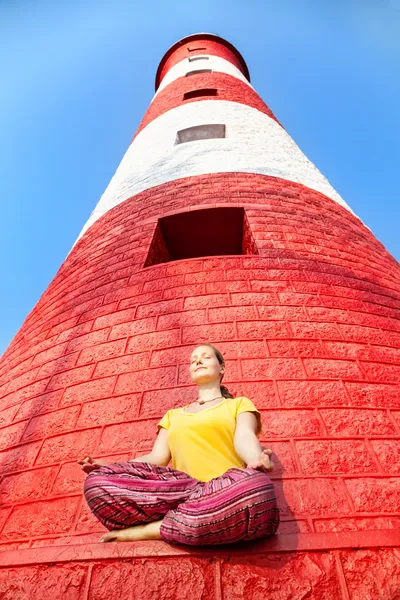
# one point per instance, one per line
(215, 228)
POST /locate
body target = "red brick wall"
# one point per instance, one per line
(228, 88)
(211, 47)
(310, 330)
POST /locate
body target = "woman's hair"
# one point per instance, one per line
(224, 390)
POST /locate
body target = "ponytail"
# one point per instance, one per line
(225, 392)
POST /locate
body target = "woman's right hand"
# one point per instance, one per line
(89, 464)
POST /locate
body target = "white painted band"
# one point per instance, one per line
(254, 143)
(215, 63)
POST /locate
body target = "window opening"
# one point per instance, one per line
(189, 73)
(193, 58)
(200, 132)
(194, 49)
(204, 232)
(199, 93)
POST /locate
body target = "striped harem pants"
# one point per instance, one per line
(240, 505)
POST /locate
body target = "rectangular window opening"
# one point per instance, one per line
(193, 58)
(203, 232)
(200, 132)
(198, 71)
(195, 49)
(199, 93)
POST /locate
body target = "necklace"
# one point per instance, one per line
(204, 401)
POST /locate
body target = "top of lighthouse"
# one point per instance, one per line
(207, 43)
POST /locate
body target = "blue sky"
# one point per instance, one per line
(78, 75)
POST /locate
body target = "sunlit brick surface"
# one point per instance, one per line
(310, 331)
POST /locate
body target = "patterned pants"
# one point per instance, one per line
(239, 505)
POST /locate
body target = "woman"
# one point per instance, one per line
(217, 491)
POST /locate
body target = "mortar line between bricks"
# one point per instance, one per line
(342, 578)
(347, 494)
(393, 420)
(218, 581)
(373, 456)
(88, 582)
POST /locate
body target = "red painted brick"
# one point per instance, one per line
(272, 368)
(91, 390)
(291, 423)
(262, 329)
(7, 415)
(69, 446)
(380, 582)
(39, 582)
(261, 392)
(206, 301)
(88, 340)
(158, 402)
(134, 328)
(73, 332)
(129, 299)
(323, 368)
(316, 330)
(67, 378)
(114, 318)
(101, 352)
(373, 394)
(20, 457)
(29, 485)
(230, 313)
(159, 308)
(356, 333)
(122, 364)
(59, 365)
(184, 291)
(222, 287)
(52, 423)
(49, 355)
(144, 380)
(39, 404)
(11, 435)
(348, 422)
(334, 456)
(312, 393)
(198, 334)
(295, 348)
(260, 577)
(356, 524)
(150, 341)
(388, 453)
(188, 317)
(22, 381)
(192, 577)
(40, 518)
(109, 410)
(375, 494)
(382, 372)
(128, 436)
(313, 497)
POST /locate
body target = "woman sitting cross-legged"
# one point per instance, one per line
(217, 490)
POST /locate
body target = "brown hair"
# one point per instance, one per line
(224, 390)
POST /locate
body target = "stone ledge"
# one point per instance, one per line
(302, 542)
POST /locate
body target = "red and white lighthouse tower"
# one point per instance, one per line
(215, 227)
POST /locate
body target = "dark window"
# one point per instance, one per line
(199, 93)
(200, 132)
(193, 58)
(194, 49)
(204, 232)
(198, 71)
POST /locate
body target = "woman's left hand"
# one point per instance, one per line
(263, 462)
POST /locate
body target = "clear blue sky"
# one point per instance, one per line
(78, 75)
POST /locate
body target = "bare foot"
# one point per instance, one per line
(149, 531)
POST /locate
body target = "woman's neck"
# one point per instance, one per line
(208, 391)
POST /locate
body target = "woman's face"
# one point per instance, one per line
(204, 366)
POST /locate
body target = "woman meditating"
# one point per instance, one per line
(217, 490)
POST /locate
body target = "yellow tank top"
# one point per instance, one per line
(201, 443)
